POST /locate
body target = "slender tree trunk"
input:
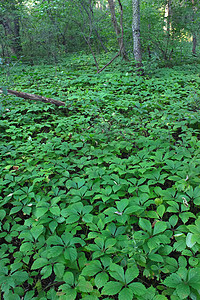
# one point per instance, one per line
(194, 36)
(169, 15)
(118, 29)
(136, 34)
(168, 29)
(194, 44)
(149, 36)
(17, 41)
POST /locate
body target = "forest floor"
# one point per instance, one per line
(100, 199)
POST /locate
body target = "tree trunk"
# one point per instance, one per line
(17, 39)
(118, 29)
(169, 16)
(194, 36)
(136, 34)
(194, 44)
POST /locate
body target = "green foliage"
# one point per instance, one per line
(100, 199)
(49, 30)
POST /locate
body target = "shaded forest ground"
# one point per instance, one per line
(100, 199)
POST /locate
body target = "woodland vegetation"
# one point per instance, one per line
(99, 150)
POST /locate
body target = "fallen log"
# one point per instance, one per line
(35, 97)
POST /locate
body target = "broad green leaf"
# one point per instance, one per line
(172, 281)
(193, 261)
(41, 211)
(159, 227)
(87, 209)
(55, 200)
(55, 210)
(122, 204)
(29, 295)
(183, 290)
(145, 225)
(84, 286)
(161, 210)
(109, 243)
(117, 272)
(126, 293)
(155, 257)
(101, 279)
(70, 254)
(152, 214)
(26, 247)
(53, 226)
(82, 260)
(138, 288)
(54, 240)
(36, 231)
(165, 250)
(67, 238)
(10, 296)
(69, 278)
(100, 242)
(182, 271)
(46, 271)
(94, 296)
(194, 229)
(197, 196)
(15, 209)
(111, 288)
(39, 263)
(185, 216)
(55, 251)
(92, 268)
(189, 241)
(15, 266)
(194, 278)
(180, 245)
(20, 277)
(2, 214)
(107, 191)
(173, 220)
(72, 219)
(131, 274)
(144, 188)
(59, 269)
(69, 292)
(88, 218)
(153, 242)
(80, 182)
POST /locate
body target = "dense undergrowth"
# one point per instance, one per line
(100, 199)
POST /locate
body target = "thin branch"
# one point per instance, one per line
(118, 54)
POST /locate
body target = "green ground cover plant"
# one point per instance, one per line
(100, 199)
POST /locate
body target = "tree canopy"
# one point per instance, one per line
(51, 29)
